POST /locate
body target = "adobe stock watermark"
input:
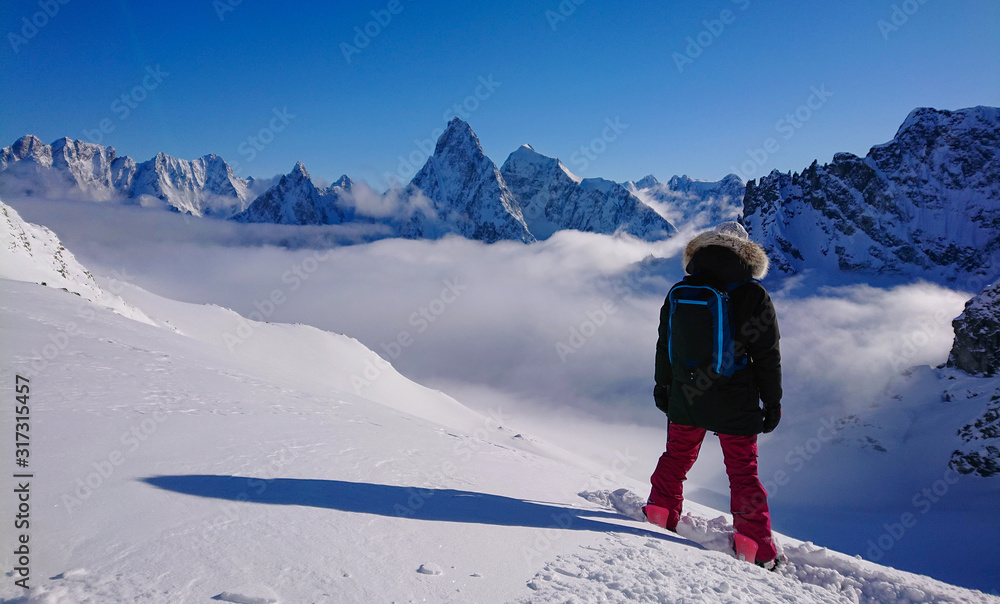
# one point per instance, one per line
(586, 154)
(255, 488)
(622, 289)
(714, 28)
(421, 319)
(127, 102)
(796, 459)
(447, 472)
(257, 142)
(563, 11)
(588, 328)
(131, 440)
(34, 23)
(412, 162)
(923, 501)
(898, 17)
(264, 308)
(787, 127)
(364, 34)
(223, 7)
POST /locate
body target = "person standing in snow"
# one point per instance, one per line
(727, 260)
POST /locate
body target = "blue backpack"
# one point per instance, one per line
(701, 336)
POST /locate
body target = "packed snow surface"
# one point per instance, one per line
(168, 468)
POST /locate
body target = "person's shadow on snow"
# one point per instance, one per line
(445, 505)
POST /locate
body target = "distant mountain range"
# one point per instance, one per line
(80, 170)
(927, 203)
(459, 190)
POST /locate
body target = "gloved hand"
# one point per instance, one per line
(661, 396)
(772, 415)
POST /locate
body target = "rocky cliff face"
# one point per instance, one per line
(977, 351)
(927, 203)
(977, 334)
(979, 453)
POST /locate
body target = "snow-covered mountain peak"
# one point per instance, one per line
(295, 199)
(646, 182)
(299, 172)
(459, 139)
(28, 145)
(82, 170)
(924, 203)
(467, 193)
(924, 120)
(553, 198)
(528, 162)
(343, 183)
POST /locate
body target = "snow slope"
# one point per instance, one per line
(202, 455)
(168, 470)
(29, 252)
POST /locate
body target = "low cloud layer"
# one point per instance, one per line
(564, 328)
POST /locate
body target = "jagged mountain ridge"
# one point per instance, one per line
(926, 203)
(458, 190)
(699, 203)
(553, 198)
(294, 199)
(80, 170)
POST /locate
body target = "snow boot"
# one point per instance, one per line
(659, 516)
(746, 548)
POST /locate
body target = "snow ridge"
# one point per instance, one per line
(33, 253)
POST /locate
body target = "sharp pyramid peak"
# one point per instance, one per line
(458, 135)
(646, 182)
(300, 169)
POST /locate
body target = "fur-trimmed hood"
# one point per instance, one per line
(751, 254)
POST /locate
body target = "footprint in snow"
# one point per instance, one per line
(429, 568)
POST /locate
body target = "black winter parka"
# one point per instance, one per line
(718, 404)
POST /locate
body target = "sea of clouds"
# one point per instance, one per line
(559, 334)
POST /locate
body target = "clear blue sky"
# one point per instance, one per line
(556, 82)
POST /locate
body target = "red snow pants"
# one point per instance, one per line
(748, 499)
